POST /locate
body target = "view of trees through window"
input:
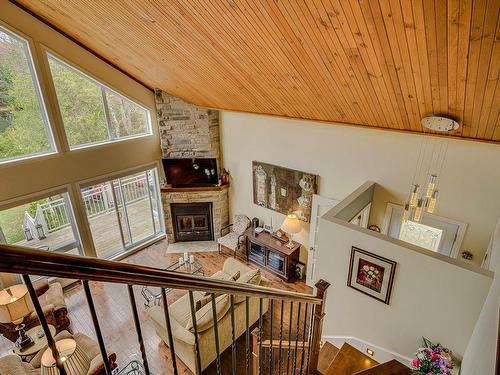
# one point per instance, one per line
(91, 112)
(23, 126)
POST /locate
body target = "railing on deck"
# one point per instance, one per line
(299, 352)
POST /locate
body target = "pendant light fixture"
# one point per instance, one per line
(424, 190)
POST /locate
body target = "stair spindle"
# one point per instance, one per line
(169, 330)
(302, 353)
(247, 335)
(138, 328)
(233, 338)
(297, 333)
(97, 328)
(271, 359)
(216, 333)
(280, 355)
(290, 321)
(195, 330)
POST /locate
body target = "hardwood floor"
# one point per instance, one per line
(115, 315)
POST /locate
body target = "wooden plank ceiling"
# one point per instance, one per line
(380, 63)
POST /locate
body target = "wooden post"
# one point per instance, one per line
(255, 351)
(319, 313)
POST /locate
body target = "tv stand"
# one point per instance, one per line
(272, 254)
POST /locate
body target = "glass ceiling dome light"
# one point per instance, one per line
(423, 196)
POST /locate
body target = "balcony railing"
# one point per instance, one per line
(296, 350)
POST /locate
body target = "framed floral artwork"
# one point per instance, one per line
(371, 274)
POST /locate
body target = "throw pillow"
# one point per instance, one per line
(204, 316)
(251, 277)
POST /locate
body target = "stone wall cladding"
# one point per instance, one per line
(187, 130)
(220, 208)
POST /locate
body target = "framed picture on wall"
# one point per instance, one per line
(371, 274)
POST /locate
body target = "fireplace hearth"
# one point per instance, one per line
(192, 221)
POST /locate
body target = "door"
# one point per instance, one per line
(320, 205)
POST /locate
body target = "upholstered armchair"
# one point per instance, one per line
(12, 364)
(235, 239)
(51, 299)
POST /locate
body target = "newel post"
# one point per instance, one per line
(319, 313)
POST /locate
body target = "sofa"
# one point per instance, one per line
(51, 297)
(181, 321)
(12, 364)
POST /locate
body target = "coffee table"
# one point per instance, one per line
(39, 341)
(153, 294)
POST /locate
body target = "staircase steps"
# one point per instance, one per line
(326, 356)
(349, 361)
(392, 367)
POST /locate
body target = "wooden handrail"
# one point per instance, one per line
(24, 260)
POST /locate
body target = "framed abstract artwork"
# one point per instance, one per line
(283, 190)
(371, 274)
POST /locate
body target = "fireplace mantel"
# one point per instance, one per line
(170, 189)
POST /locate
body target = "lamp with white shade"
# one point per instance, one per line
(15, 305)
(75, 361)
(291, 225)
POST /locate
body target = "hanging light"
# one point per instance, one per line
(406, 213)
(431, 185)
(417, 216)
(425, 198)
(414, 195)
(431, 205)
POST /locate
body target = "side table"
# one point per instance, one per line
(39, 342)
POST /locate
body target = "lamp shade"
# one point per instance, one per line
(291, 224)
(75, 360)
(15, 304)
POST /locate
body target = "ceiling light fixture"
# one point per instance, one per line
(424, 189)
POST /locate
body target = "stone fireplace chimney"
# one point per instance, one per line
(188, 131)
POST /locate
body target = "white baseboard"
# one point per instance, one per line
(381, 355)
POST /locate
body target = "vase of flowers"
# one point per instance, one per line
(432, 359)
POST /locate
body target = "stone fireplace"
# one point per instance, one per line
(189, 131)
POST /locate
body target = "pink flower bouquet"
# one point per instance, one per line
(432, 359)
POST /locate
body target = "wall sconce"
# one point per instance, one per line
(39, 231)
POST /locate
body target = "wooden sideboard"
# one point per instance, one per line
(271, 254)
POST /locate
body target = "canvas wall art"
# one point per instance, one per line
(283, 190)
(371, 274)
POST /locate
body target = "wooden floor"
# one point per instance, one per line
(114, 312)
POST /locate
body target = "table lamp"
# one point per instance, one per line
(15, 305)
(291, 225)
(74, 359)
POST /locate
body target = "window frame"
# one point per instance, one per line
(29, 198)
(121, 174)
(48, 53)
(39, 92)
(457, 244)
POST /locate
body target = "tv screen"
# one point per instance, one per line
(191, 172)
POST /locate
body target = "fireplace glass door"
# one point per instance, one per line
(192, 221)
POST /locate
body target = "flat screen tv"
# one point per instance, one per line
(191, 172)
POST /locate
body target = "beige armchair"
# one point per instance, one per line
(235, 239)
(51, 297)
(12, 364)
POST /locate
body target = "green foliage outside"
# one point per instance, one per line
(23, 130)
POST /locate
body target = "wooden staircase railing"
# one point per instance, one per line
(304, 332)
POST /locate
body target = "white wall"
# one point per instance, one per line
(480, 355)
(345, 157)
(430, 297)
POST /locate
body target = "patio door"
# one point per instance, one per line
(123, 212)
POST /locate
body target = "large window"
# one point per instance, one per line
(92, 113)
(24, 126)
(123, 212)
(45, 224)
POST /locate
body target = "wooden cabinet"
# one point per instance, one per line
(271, 254)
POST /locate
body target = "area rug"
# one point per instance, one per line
(192, 247)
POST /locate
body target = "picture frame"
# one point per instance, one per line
(371, 274)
